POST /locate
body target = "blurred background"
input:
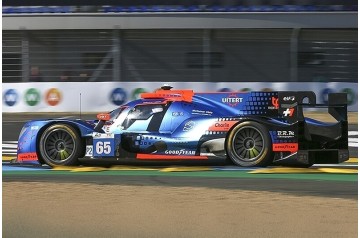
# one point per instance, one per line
(104, 53)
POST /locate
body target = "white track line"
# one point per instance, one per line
(335, 165)
(9, 146)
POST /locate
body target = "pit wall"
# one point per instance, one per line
(105, 96)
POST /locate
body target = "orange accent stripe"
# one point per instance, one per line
(222, 125)
(168, 157)
(225, 92)
(292, 147)
(174, 95)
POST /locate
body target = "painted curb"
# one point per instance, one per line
(303, 171)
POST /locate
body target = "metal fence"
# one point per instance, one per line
(232, 55)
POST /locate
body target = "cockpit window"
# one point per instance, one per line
(141, 112)
(115, 113)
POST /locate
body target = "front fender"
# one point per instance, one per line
(27, 151)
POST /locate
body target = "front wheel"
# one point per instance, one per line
(248, 144)
(60, 144)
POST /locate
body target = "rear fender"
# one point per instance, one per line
(277, 130)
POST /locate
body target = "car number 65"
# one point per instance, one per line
(103, 147)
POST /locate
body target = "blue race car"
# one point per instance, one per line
(250, 129)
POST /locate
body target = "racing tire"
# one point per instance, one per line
(60, 144)
(248, 144)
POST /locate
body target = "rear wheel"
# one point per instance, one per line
(60, 144)
(248, 144)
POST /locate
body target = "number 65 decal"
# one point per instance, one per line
(104, 147)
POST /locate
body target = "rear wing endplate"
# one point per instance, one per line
(291, 104)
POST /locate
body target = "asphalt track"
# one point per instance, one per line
(315, 181)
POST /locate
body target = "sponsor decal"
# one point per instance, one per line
(27, 156)
(170, 95)
(232, 100)
(32, 97)
(289, 98)
(201, 112)
(285, 134)
(53, 97)
(102, 135)
(34, 128)
(274, 103)
(288, 112)
(180, 152)
(10, 97)
(118, 96)
(222, 125)
(89, 150)
(106, 128)
(169, 157)
(177, 114)
(189, 125)
(103, 116)
(292, 147)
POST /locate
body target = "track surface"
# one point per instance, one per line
(226, 201)
(229, 177)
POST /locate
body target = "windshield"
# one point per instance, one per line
(115, 113)
(141, 112)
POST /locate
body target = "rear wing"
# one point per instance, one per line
(291, 104)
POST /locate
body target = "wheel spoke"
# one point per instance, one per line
(245, 156)
(259, 144)
(240, 136)
(59, 134)
(68, 153)
(51, 153)
(50, 146)
(257, 136)
(55, 136)
(256, 152)
(65, 135)
(62, 155)
(251, 154)
(57, 156)
(252, 133)
(245, 133)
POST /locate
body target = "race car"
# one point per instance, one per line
(249, 128)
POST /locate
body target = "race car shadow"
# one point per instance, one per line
(111, 162)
